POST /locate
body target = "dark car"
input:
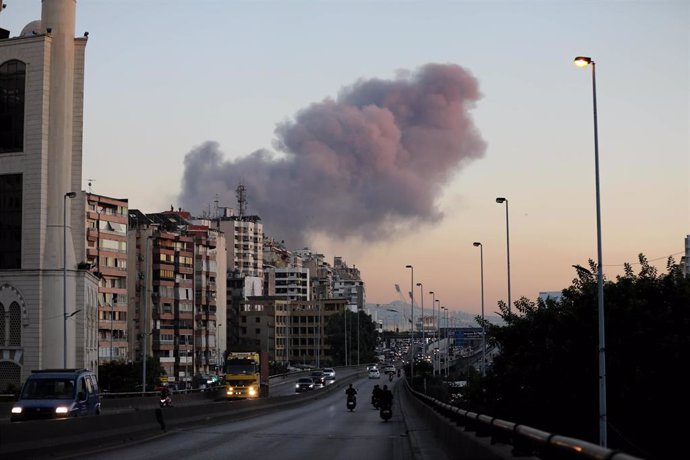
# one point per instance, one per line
(57, 393)
(319, 378)
(304, 384)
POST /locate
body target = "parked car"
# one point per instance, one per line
(374, 374)
(304, 384)
(319, 378)
(57, 393)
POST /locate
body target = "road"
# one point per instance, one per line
(320, 428)
(286, 387)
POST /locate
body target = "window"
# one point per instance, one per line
(10, 221)
(12, 83)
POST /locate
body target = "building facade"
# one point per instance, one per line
(48, 306)
(106, 222)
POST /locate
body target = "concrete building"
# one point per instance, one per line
(48, 303)
(685, 259)
(348, 284)
(290, 331)
(175, 281)
(106, 222)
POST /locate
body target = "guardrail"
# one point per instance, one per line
(525, 440)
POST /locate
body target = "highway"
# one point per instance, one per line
(318, 428)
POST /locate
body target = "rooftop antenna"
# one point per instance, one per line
(242, 198)
(91, 181)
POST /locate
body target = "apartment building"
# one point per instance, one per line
(106, 222)
(290, 331)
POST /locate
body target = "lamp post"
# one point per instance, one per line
(583, 61)
(440, 371)
(421, 296)
(438, 332)
(64, 276)
(505, 200)
(411, 323)
(481, 258)
(433, 303)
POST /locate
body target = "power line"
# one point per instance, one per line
(648, 260)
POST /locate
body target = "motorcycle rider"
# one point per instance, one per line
(376, 396)
(166, 399)
(350, 392)
(386, 397)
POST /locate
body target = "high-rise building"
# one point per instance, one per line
(348, 284)
(106, 222)
(290, 331)
(48, 297)
(175, 283)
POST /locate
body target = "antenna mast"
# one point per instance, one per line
(242, 199)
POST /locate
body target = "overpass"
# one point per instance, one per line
(290, 426)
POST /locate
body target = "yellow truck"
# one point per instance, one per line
(246, 375)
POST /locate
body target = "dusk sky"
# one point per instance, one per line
(213, 81)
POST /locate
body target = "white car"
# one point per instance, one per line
(374, 374)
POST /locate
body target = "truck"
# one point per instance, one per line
(246, 375)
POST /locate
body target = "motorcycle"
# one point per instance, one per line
(351, 402)
(386, 412)
(375, 401)
(166, 401)
(390, 377)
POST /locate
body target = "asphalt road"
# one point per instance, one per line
(319, 428)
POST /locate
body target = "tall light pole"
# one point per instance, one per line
(64, 276)
(421, 296)
(481, 258)
(505, 200)
(446, 336)
(438, 330)
(433, 303)
(583, 61)
(411, 323)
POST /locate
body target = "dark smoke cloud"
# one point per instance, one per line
(369, 164)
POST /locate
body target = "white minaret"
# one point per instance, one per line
(58, 19)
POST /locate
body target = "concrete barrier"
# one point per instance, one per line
(70, 436)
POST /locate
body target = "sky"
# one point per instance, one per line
(383, 131)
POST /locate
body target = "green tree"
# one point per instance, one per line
(546, 374)
(336, 334)
(121, 376)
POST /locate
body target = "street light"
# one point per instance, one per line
(64, 276)
(583, 61)
(438, 330)
(411, 323)
(421, 291)
(502, 200)
(446, 343)
(481, 258)
(433, 303)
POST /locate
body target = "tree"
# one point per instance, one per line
(121, 376)
(335, 337)
(546, 375)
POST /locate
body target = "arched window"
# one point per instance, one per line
(15, 325)
(12, 83)
(2, 325)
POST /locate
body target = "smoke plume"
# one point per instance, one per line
(369, 164)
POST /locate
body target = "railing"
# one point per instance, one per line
(525, 440)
